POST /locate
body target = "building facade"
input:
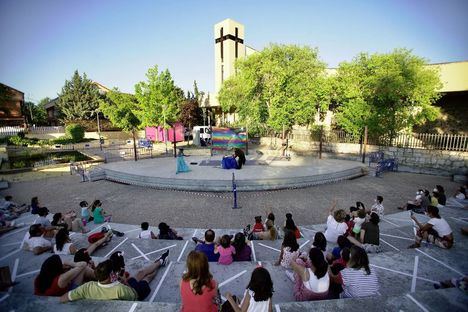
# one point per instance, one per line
(11, 106)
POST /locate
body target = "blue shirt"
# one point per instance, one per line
(208, 250)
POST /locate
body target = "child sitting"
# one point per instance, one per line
(258, 227)
(84, 212)
(225, 250)
(358, 221)
(145, 232)
(289, 250)
(98, 213)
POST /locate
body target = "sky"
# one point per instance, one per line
(115, 41)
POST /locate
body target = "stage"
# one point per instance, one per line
(259, 174)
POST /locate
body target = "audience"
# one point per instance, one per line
(310, 283)
(99, 215)
(291, 226)
(369, 237)
(289, 250)
(85, 217)
(64, 246)
(461, 193)
(358, 221)
(320, 242)
(165, 232)
(377, 207)
(35, 205)
(198, 289)
(258, 226)
(36, 242)
(69, 222)
(336, 225)
(269, 234)
(258, 294)
(442, 198)
(145, 232)
(420, 202)
(243, 250)
(56, 277)
(225, 250)
(436, 230)
(208, 246)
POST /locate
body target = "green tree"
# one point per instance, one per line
(79, 98)
(158, 98)
(120, 108)
(388, 93)
(36, 113)
(278, 87)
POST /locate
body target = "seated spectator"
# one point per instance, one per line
(291, 226)
(57, 220)
(269, 234)
(103, 289)
(225, 250)
(35, 205)
(36, 242)
(198, 289)
(243, 250)
(68, 222)
(85, 217)
(377, 207)
(358, 222)
(289, 250)
(436, 230)
(257, 296)
(357, 278)
(343, 242)
(435, 198)
(320, 242)
(99, 215)
(310, 283)
(83, 255)
(5, 225)
(369, 237)
(207, 247)
(335, 224)
(57, 277)
(420, 202)
(442, 198)
(343, 258)
(139, 283)
(258, 226)
(145, 232)
(461, 193)
(165, 232)
(64, 246)
(458, 282)
(49, 229)
(7, 204)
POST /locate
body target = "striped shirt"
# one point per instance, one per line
(356, 283)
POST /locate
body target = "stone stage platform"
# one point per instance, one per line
(259, 174)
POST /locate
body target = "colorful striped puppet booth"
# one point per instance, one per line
(227, 139)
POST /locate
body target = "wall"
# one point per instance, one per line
(108, 135)
(417, 160)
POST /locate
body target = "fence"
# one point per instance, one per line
(10, 131)
(429, 141)
(126, 153)
(45, 130)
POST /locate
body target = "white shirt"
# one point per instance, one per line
(378, 208)
(34, 242)
(460, 196)
(256, 306)
(145, 234)
(440, 226)
(65, 250)
(334, 229)
(317, 285)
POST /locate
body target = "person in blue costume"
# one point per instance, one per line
(181, 165)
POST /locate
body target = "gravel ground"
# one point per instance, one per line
(133, 204)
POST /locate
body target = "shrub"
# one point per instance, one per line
(75, 132)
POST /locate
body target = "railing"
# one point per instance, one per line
(10, 131)
(45, 130)
(126, 153)
(430, 141)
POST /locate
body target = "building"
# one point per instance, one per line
(11, 106)
(229, 44)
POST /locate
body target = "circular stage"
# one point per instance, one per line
(262, 174)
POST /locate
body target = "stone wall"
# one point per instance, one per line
(409, 159)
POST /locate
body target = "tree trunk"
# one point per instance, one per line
(134, 145)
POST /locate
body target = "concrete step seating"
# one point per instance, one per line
(406, 276)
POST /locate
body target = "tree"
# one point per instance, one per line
(36, 113)
(120, 109)
(280, 86)
(158, 98)
(190, 113)
(387, 93)
(79, 98)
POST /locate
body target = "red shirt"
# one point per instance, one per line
(53, 290)
(297, 233)
(258, 227)
(198, 303)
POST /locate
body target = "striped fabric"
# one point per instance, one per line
(227, 138)
(356, 283)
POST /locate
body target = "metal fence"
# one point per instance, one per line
(10, 131)
(113, 154)
(430, 141)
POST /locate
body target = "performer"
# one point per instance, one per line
(238, 153)
(181, 165)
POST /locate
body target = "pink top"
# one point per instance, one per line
(225, 254)
(198, 303)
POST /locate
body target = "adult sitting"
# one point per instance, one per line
(420, 202)
(243, 250)
(239, 154)
(103, 289)
(257, 296)
(207, 246)
(357, 278)
(310, 283)
(69, 221)
(165, 232)
(336, 225)
(57, 277)
(36, 242)
(64, 246)
(369, 236)
(198, 289)
(436, 230)
(269, 234)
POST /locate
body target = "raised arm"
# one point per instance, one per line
(332, 207)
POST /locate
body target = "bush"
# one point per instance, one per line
(75, 132)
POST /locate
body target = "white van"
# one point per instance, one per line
(201, 135)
